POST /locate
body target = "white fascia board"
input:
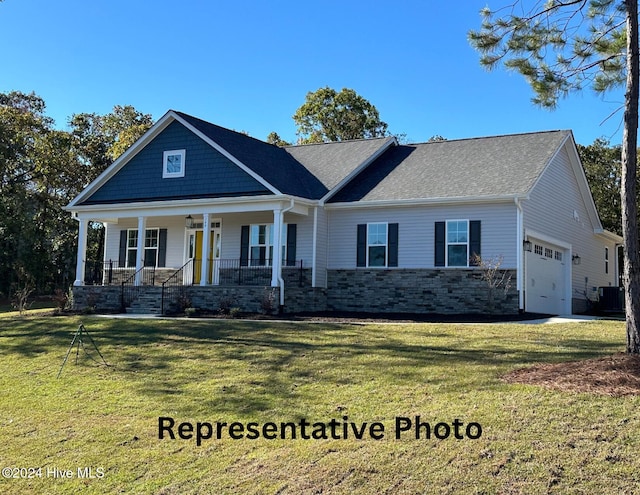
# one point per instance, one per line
(122, 160)
(391, 141)
(608, 235)
(187, 207)
(228, 155)
(428, 201)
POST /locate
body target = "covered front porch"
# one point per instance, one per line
(164, 251)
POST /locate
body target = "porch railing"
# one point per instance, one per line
(232, 272)
(112, 273)
(103, 272)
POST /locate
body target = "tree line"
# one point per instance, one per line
(41, 170)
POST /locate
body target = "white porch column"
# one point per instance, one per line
(206, 241)
(276, 262)
(142, 225)
(82, 251)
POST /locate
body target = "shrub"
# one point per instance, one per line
(20, 300)
(62, 299)
(269, 301)
(225, 305)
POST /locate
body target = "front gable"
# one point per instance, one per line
(208, 173)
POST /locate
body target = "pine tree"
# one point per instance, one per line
(562, 46)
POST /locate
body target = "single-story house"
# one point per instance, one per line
(198, 214)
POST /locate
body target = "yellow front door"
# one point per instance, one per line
(197, 274)
(213, 256)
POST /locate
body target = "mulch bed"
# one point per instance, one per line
(617, 375)
(359, 317)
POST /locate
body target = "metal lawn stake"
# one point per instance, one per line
(77, 341)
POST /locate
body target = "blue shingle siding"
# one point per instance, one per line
(208, 173)
(270, 162)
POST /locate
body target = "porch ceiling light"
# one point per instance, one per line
(189, 222)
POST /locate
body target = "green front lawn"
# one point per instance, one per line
(533, 440)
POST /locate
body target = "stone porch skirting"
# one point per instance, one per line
(441, 291)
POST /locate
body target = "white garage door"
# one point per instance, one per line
(546, 279)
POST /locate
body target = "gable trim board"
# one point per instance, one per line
(382, 181)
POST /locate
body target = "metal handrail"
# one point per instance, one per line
(170, 284)
(129, 290)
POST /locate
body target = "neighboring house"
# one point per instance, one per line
(366, 225)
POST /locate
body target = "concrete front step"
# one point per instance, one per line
(148, 301)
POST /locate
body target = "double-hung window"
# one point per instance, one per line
(256, 244)
(261, 244)
(377, 245)
(457, 243)
(151, 245)
(132, 247)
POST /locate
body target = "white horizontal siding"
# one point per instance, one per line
(416, 232)
(111, 242)
(557, 209)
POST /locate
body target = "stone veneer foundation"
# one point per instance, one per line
(441, 291)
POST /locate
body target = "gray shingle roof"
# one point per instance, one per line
(332, 162)
(491, 166)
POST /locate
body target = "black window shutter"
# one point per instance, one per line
(292, 231)
(440, 244)
(474, 241)
(162, 248)
(393, 244)
(361, 255)
(244, 245)
(122, 256)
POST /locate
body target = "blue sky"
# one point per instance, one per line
(247, 65)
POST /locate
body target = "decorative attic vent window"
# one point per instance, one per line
(173, 164)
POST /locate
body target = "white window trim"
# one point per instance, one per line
(447, 243)
(165, 161)
(386, 245)
(268, 244)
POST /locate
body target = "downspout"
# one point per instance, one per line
(519, 254)
(314, 256)
(280, 279)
